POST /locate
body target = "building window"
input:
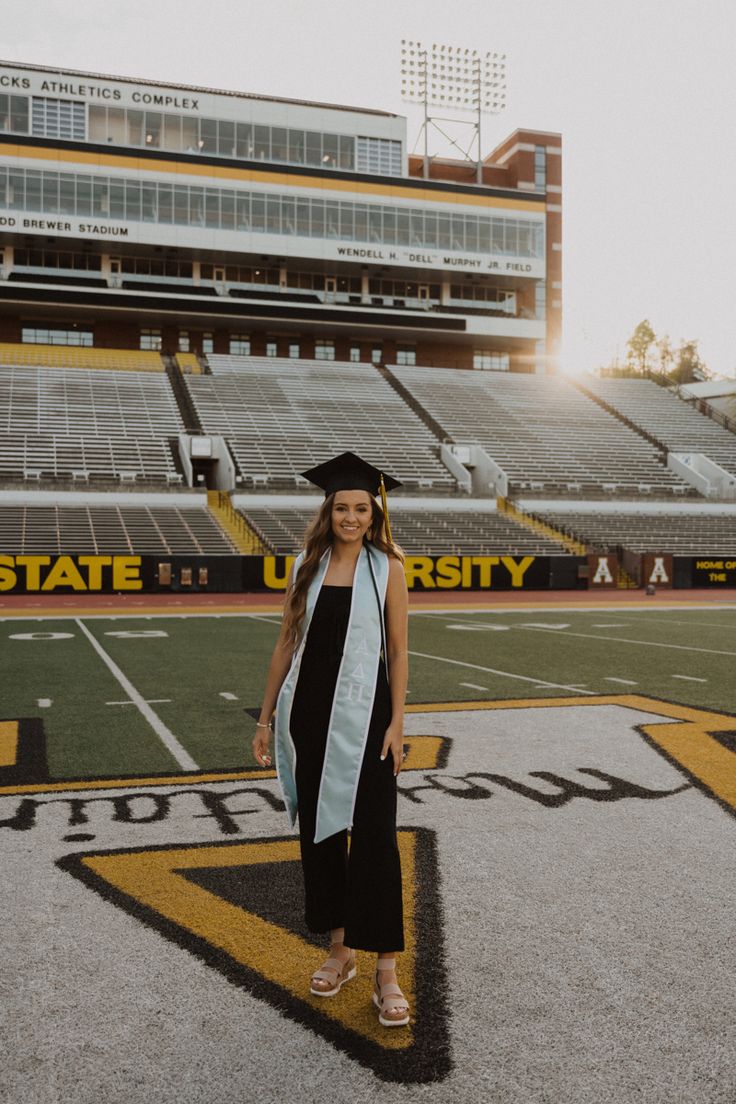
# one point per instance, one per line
(355, 354)
(406, 354)
(294, 350)
(45, 335)
(14, 114)
(184, 342)
(246, 141)
(376, 354)
(324, 350)
(58, 118)
(139, 200)
(486, 361)
(239, 345)
(151, 339)
(540, 168)
(272, 349)
(379, 155)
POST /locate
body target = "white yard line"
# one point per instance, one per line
(624, 682)
(167, 738)
(503, 674)
(473, 686)
(627, 640)
(689, 678)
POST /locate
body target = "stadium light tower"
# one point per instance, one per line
(453, 77)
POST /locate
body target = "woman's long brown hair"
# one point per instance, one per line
(317, 538)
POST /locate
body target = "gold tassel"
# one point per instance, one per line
(384, 504)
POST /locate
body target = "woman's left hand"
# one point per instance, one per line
(393, 744)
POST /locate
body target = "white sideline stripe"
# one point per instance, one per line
(167, 738)
(624, 682)
(689, 678)
(473, 686)
(504, 674)
(626, 640)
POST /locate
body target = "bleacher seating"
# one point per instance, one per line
(73, 424)
(683, 533)
(120, 530)
(676, 424)
(77, 356)
(284, 416)
(419, 532)
(543, 432)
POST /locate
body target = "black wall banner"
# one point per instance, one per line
(55, 574)
(705, 571)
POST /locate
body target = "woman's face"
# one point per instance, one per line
(352, 514)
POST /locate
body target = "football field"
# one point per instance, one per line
(566, 819)
(130, 695)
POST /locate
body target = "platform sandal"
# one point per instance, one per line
(336, 973)
(393, 1008)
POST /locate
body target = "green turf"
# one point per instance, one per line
(201, 657)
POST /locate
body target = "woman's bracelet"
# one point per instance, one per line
(259, 724)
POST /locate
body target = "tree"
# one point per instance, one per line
(639, 344)
(666, 354)
(689, 367)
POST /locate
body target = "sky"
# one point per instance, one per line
(642, 92)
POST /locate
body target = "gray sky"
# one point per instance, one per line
(641, 90)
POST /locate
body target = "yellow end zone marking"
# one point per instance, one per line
(154, 879)
(8, 743)
(422, 754)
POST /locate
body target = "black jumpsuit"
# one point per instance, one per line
(360, 891)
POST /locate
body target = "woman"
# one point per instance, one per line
(339, 726)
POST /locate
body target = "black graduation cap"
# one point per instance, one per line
(348, 472)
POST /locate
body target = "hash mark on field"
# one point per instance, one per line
(624, 682)
(168, 739)
(608, 626)
(228, 696)
(473, 686)
(151, 701)
(689, 678)
(44, 703)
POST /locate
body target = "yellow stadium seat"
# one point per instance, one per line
(74, 356)
(189, 363)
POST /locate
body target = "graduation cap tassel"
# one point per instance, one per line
(384, 504)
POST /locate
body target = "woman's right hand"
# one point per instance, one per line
(261, 742)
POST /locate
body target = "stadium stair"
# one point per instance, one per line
(529, 521)
(187, 409)
(234, 524)
(432, 425)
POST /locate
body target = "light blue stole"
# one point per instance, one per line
(352, 704)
